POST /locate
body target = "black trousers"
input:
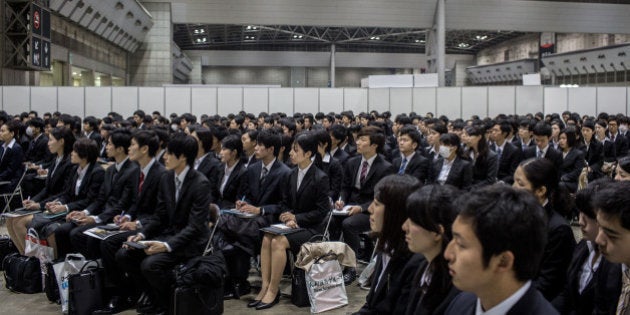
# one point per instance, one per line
(351, 227)
(85, 244)
(62, 238)
(117, 283)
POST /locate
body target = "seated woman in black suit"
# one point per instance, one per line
(593, 150)
(304, 205)
(485, 162)
(451, 168)
(540, 178)
(395, 264)
(572, 159)
(330, 165)
(589, 272)
(609, 149)
(11, 157)
(428, 231)
(60, 144)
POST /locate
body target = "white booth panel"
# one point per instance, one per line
(529, 99)
(501, 100)
(16, 99)
(173, 100)
(305, 100)
(281, 99)
(400, 100)
(449, 102)
(555, 100)
(583, 101)
(378, 99)
(330, 100)
(43, 99)
(125, 100)
(394, 80)
(611, 100)
(203, 101)
(98, 101)
(71, 100)
(424, 101)
(230, 101)
(474, 102)
(151, 99)
(255, 100)
(355, 100)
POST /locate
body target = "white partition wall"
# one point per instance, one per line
(203, 101)
(454, 102)
(611, 100)
(98, 101)
(44, 99)
(474, 101)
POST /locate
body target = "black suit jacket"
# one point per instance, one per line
(417, 305)
(88, 190)
(610, 151)
(390, 295)
(485, 169)
(96, 136)
(212, 169)
(310, 202)
(118, 192)
(146, 200)
(572, 165)
(417, 167)
(230, 191)
(594, 154)
(460, 175)
(552, 154)
(38, 152)
(508, 162)
(342, 156)
(11, 167)
(621, 145)
(607, 288)
(556, 255)
(183, 224)
(334, 170)
(55, 181)
(269, 194)
(363, 196)
(531, 303)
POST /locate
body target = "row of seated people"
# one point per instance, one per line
(93, 196)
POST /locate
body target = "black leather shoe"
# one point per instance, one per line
(264, 306)
(151, 310)
(349, 275)
(242, 288)
(116, 305)
(253, 303)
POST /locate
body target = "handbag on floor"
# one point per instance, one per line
(85, 289)
(6, 247)
(324, 282)
(22, 273)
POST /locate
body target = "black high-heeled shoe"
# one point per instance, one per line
(253, 303)
(263, 306)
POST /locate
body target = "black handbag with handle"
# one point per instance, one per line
(6, 247)
(85, 289)
(22, 273)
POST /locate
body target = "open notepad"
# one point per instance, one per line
(343, 212)
(20, 213)
(280, 229)
(104, 231)
(240, 214)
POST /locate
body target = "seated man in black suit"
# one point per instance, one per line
(144, 145)
(38, 152)
(361, 174)
(612, 205)
(497, 246)
(542, 149)
(338, 135)
(410, 160)
(509, 155)
(206, 163)
(177, 231)
(118, 192)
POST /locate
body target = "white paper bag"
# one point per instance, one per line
(324, 283)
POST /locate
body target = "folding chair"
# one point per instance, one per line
(8, 197)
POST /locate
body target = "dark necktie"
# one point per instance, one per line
(401, 170)
(263, 175)
(499, 152)
(364, 171)
(140, 182)
(178, 187)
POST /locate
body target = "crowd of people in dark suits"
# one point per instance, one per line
(457, 216)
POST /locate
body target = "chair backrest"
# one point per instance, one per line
(16, 190)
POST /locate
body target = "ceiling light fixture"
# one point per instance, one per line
(463, 45)
(481, 37)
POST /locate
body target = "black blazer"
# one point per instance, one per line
(570, 301)
(572, 165)
(460, 175)
(417, 297)
(212, 169)
(230, 191)
(118, 192)
(268, 195)
(594, 154)
(621, 145)
(342, 156)
(310, 202)
(607, 288)
(11, 167)
(610, 151)
(508, 162)
(556, 255)
(485, 169)
(552, 154)
(56, 182)
(38, 152)
(519, 144)
(146, 201)
(363, 196)
(96, 136)
(417, 167)
(334, 170)
(88, 191)
(182, 224)
(531, 303)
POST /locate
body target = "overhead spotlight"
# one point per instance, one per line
(481, 37)
(463, 45)
(375, 38)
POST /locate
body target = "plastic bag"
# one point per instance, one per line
(72, 264)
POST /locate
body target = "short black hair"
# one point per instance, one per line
(339, 131)
(253, 135)
(92, 122)
(542, 129)
(183, 144)
(86, 148)
(376, 136)
(308, 142)
(66, 134)
(412, 133)
(233, 142)
(323, 137)
(438, 126)
(36, 122)
(614, 202)
(205, 137)
(121, 138)
(572, 135)
(148, 138)
(139, 113)
(507, 219)
(269, 139)
(584, 197)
